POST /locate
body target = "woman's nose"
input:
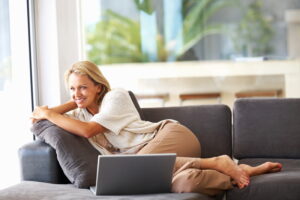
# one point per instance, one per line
(76, 93)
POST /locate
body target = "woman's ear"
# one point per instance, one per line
(99, 88)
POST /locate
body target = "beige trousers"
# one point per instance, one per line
(176, 138)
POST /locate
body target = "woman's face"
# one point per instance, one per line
(84, 92)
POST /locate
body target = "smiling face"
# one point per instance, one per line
(84, 92)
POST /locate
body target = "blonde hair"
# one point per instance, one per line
(93, 72)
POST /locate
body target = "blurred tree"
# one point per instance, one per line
(254, 32)
(196, 24)
(144, 5)
(116, 39)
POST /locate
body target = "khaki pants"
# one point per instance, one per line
(176, 138)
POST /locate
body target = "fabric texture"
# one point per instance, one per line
(136, 104)
(29, 190)
(210, 123)
(76, 156)
(38, 162)
(272, 122)
(275, 186)
(174, 138)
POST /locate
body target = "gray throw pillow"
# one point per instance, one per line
(76, 156)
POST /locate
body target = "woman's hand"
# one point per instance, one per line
(41, 112)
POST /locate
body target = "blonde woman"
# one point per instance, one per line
(110, 121)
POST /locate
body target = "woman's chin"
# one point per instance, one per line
(81, 106)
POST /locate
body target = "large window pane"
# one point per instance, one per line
(15, 103)
(5, 67)
(176, 30)
(195, 46)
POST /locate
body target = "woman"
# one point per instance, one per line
(110, 121)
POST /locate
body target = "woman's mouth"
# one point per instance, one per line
(79, 101)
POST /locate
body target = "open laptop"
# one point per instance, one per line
(134, 174)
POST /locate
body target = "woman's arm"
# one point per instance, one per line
(61, 109)
(77, 127)
(66, 107)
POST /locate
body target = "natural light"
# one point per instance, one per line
(15, 97)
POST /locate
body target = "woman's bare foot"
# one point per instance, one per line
(227, 166)
(267, 167)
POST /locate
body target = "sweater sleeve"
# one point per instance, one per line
(117, 111)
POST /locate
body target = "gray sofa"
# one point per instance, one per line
(268, 130)
(263, 130)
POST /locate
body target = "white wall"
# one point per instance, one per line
(58, 46)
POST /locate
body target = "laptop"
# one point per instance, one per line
(134, 174)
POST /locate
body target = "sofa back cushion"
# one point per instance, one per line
(210, 123)
(266, 128)
(136, 104)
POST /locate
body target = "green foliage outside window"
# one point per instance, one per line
(196, 23)
(254, 32)
(116, 38)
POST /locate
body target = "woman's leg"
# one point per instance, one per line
(239, 173)
(223, 164)
(267, 167)
(209, 182)
(175, 138)
(190, 177)
(206, 175)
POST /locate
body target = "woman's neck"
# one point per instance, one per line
(93, 110)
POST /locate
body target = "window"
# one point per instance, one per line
(15, 95)
(136, 43)
(176, 30)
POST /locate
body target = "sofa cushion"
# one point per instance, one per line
(210, 123)
(136, 104)
(275, 186)
(76, 156)
(46, 191)
(266, 128)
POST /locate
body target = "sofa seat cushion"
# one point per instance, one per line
(275, 186)
(37, 190)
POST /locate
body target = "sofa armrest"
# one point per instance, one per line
(38, 163)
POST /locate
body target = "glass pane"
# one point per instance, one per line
(179, 30)
(207, 37)
(5, 67)
(15, 103)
